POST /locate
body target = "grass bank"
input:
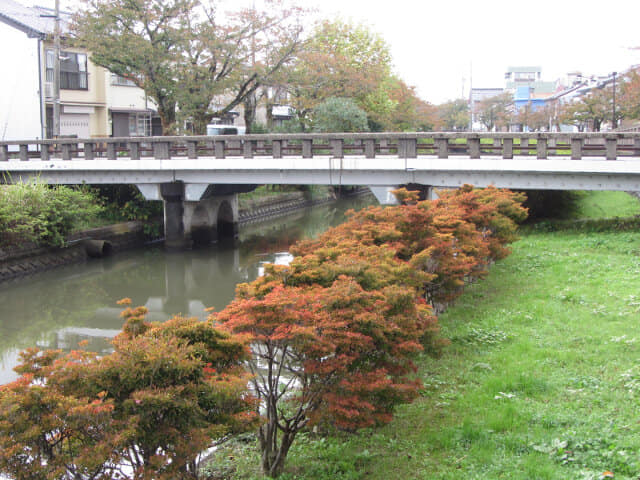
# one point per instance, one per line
(541, 380)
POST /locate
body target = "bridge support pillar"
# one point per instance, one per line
(189, 221)
(174, 232)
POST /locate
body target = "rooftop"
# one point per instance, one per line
(34, 21)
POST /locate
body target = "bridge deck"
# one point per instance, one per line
(519, 172)
(598, 161)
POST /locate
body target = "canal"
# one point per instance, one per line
(61, 307)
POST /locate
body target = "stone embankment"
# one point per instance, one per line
(264, 208)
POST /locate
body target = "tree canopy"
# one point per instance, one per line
(341, 60)
(630, 95)
(339, 115)
(496, 111)
(190, 59)
(454, 115)
(590, 110)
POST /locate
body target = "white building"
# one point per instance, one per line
(93, 102)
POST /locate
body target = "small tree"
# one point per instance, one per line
(339, 115)
(339, 354)
(591, 110)
(454, 115)
(630, 95)
(496, 111)
(147, 410)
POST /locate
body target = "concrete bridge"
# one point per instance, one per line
(198, 177)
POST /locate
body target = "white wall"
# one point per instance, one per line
(19, 86)
(125, 97)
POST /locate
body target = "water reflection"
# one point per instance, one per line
(59, 308)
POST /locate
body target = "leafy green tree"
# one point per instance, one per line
(454, 115)
(409, 113)
(339, 115)
(183, 56)
(339, 60)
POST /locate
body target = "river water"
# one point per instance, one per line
(61, 307)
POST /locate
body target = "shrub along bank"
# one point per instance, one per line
(42, 215)
(333, 339)
(540, 380)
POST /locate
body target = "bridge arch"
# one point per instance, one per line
(226, 225)
(202, 229)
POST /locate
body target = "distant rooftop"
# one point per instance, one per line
(524, 69)
(34, 21)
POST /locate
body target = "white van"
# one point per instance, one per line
(217, 129)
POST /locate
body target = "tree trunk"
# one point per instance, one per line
(250, 105)
(167, 113)
(274, 455)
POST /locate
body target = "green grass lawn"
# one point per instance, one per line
(541, 379)
(607, 204)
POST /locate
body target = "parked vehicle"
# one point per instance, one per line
(217, 129)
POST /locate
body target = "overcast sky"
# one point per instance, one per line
(440, 46)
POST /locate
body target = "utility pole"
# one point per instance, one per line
(471, 96)
(56, 72)
(613, 119)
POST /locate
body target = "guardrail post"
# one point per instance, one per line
(636, 147)
(247, 148)
(337, 149)
(407, 147)
(24, 152)
(576, 148)
(541, 148)
(44, 152)
(442, 145)
(4, 153)
(307, 148)
(191, 149)
(474, 147)
(276, 148)
(507, 148)
(89, 150)
(66, 151)
(402, 148)
(111, 151)
(218, 147)
(134, 150)
(611, 147)
(370, 148)
(161, 150)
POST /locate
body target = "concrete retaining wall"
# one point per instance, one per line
(271, 207)
(29, 259)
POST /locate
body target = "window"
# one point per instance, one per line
(120, 80)
(139, 125)
(73, 70)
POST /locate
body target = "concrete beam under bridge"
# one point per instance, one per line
(192, 214)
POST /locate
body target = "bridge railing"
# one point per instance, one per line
(609, 145)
